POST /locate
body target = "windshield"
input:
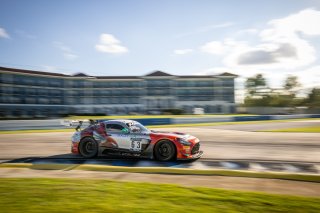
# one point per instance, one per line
(136, 125)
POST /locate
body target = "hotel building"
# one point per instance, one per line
(28, 93)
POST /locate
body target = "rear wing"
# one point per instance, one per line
(77, 123)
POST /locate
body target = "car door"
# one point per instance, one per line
(136, 142)
(119, 134)
(139, 141)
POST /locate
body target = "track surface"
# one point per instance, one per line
(216, 143)
(202, 164)
(231, 146)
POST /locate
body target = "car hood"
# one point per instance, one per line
(174, 134)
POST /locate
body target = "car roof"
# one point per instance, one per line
(123, 121)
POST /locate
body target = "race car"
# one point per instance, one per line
(130, 138)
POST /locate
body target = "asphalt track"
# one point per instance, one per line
(201, 164)
(217, 143)
(225, 147)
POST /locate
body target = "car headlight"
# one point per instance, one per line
(184, 142)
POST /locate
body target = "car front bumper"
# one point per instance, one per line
(191, 157)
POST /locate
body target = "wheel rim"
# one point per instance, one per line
(89, 148)
(165, 150)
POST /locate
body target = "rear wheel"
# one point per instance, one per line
(164, 150)
(88, 147)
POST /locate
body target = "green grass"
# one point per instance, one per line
(163, 170)
(308, 129)
(88, 195)
(228, 123)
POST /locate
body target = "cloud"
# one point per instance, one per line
(205, 29)
(285, 54)
(305, 21)
(3, 33)
(309, 77)
(264, 56)
(67, 52)
(109, 44)
(213, 47)
(182, 51)
(283, 44)
(221, 47)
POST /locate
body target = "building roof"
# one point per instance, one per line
(228, 74)
(31, 72)
(80, 74)
(158, 73)
(152, 74)
(117, 77)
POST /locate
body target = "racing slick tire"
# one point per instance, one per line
(165, 150)
(88, 147)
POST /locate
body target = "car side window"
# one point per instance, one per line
(114, 128)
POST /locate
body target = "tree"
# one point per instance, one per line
(313, 99)
(291, 84)
(255, 83)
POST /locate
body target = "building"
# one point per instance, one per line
(27, 93)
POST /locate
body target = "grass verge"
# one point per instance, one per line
(230, 123)
(308, 129)
(87, 195)
(162, 170)
(161, 126)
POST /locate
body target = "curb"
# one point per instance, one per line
(168, 171)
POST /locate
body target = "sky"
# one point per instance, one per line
(181, 37)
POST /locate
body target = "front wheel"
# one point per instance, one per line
(88, 148)
(164, 151)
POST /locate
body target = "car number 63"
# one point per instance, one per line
(136, 145)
